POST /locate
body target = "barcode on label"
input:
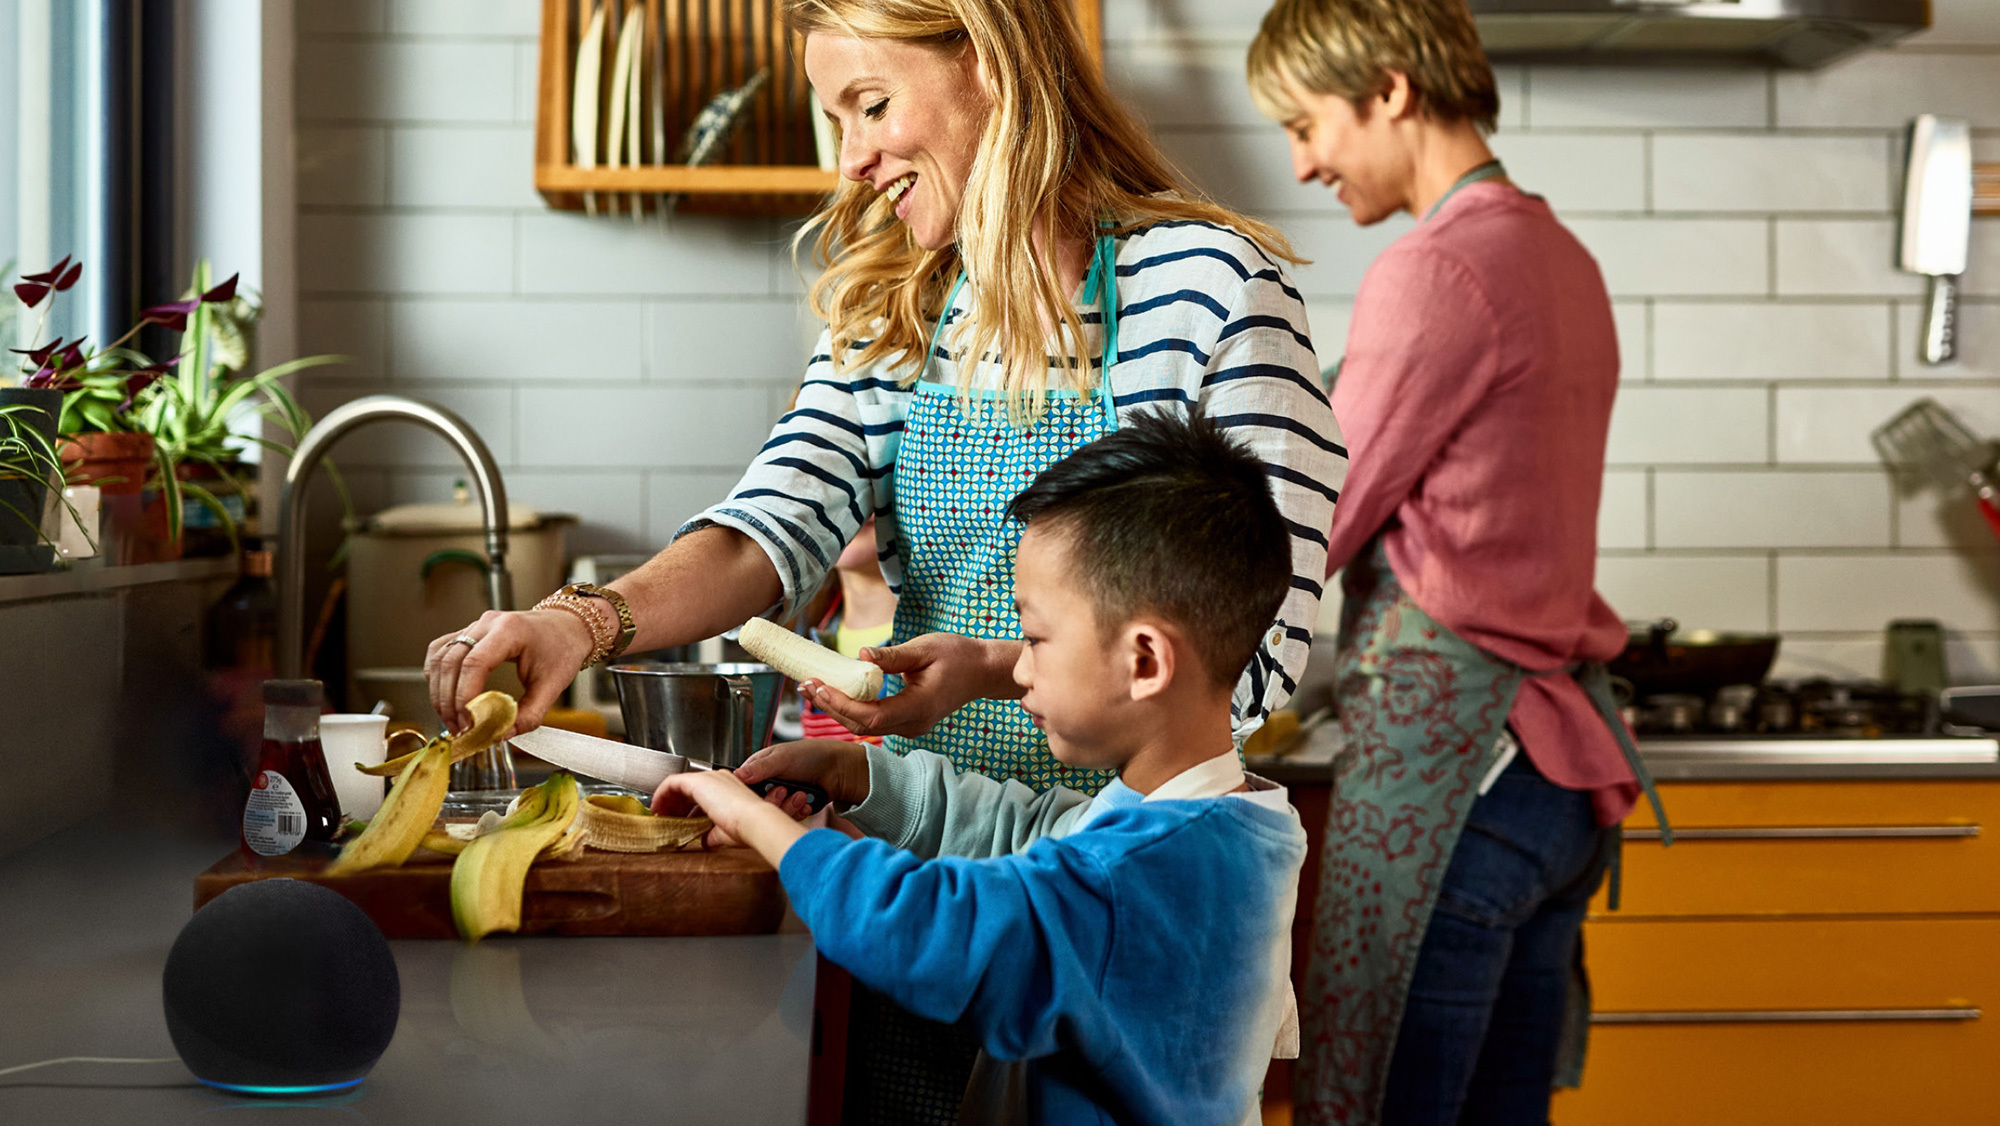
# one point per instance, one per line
(289, 823)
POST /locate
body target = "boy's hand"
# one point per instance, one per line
(941, 673)
(834, 765)
(739, 814)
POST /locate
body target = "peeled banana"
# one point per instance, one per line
(406, 815)
(622, 823)
(801, 659)
(489, 878)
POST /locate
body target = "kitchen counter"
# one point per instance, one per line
(1698, 759)
(560, 1030)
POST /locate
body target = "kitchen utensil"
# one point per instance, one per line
(715, 124)
(1661, 659)
(347, 740)
(585, 97)
(1971, 706)
(719, 714)
(1937, 224)
(636, 768)
(1927, 443)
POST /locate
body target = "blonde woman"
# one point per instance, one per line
(1011, 269)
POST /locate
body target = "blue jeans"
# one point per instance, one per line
(1480, 1034)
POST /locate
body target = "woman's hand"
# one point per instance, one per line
(549, 646)
(836, 766)
(739, 814)
(941, 672)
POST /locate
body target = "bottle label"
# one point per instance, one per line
(274, 819)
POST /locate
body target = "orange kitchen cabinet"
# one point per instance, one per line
(1823, 978)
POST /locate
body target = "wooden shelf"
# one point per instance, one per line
(770, 166)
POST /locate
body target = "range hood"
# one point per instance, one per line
(1787, 33)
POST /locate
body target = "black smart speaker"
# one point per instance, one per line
(281, 988)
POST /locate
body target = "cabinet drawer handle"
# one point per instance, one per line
(1786, 1016)
(1812, 833)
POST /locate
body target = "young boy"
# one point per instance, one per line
(1127, 954)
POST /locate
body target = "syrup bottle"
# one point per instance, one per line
(291, 795)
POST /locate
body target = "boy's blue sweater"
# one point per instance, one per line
(1132, 963)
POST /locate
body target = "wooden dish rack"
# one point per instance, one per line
(689, 51)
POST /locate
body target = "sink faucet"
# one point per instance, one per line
(291, 564)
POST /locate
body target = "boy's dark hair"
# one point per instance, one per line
(1171, 515)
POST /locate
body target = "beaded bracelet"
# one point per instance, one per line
(602, 635)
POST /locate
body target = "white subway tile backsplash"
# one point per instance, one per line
(1769, 341)
(1885, 89)
(466, 19)
(341, 166)
(1928, 516)
(1249, 170)
(1630, 98)
(433, 80)
(1770, 509)
(1328, 322)
(1760, 172)
(1622, 511)
(376, 253)
(474, 167)
(1843, 257)
(1678, 257)
(727, 342)
(1967, 659)
(1830, 425)
(527, 82)
(1179, 81)
(1655, 425)
(1699, 591)
(1340, 252)
(654, 428)
(1577, 172)
(698, 255)
(1865, 592)
(1629, 319)
(1960, 23)
(673, 498)
(357, 329)
(526, 342)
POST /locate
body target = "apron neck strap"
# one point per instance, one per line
(1100, 287)
(1491, 170)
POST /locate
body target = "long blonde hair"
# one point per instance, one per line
(1057, 149)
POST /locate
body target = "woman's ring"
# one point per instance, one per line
(466, 640)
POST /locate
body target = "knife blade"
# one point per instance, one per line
(1937, 224)
(637, 768)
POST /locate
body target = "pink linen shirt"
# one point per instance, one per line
(1475, 398)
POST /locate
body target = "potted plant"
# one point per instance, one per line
(195, 413)
(29, 466)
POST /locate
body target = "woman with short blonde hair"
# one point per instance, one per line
(1011, 269)
(1474, 818)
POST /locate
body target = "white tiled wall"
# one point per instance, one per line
(1744, 222)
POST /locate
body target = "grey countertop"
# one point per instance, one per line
(542, 1030)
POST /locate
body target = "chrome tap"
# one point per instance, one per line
(291, 563)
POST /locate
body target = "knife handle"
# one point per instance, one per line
(1940, 345)
(816, 798)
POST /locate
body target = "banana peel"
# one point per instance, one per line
(489, 878)
(493, 715)
(622, 823)
(405, 817)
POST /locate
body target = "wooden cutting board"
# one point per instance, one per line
(728, 891)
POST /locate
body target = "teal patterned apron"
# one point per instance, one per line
(959, 465)
(1421, 710)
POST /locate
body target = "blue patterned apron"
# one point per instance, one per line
(1421, 711)
(961, 462)
(959, 465)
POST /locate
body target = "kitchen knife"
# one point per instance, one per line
(1937, 224)
(636, 768)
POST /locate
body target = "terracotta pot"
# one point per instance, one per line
(116, 463)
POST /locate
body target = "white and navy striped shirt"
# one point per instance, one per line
(1204, 315)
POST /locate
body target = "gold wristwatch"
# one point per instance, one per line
(627, 628)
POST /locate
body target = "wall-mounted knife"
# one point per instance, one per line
(1937, 224)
